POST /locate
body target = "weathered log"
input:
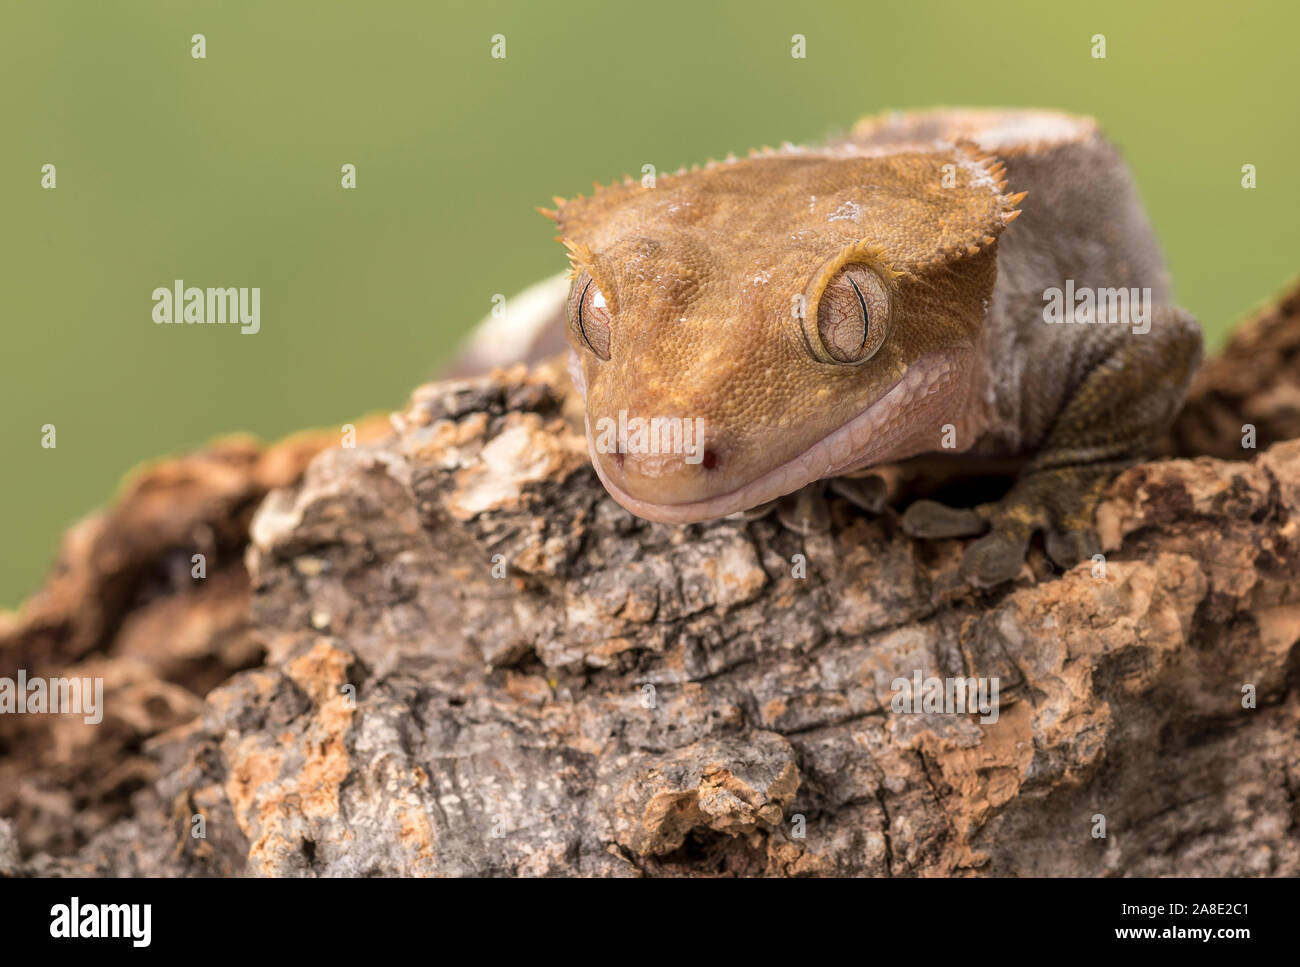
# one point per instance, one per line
(451, 653)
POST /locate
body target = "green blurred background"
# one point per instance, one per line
(225, 171)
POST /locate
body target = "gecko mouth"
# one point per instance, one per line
(892, 428)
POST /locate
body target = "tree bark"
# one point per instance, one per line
(447, 651)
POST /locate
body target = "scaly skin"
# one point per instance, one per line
(752, 295)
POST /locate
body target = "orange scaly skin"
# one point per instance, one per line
(706, 291)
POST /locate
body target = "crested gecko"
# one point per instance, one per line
(979, 282)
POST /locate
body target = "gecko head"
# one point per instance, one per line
(744, 329)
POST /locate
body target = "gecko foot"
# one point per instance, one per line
(805, 511)
(1058, 502)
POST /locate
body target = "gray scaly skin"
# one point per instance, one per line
(1085, 400)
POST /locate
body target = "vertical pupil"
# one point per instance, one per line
(866, 319)
(582, 300)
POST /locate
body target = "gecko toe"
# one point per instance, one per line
(1067, 548)
(869, 493)
(995, 558)
(931, 520)
(805, 512)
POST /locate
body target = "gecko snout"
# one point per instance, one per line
(672, 466)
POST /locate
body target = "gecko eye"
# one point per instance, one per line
(852, 315)
(589, 316)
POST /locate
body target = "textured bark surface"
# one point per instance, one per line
(447, 651)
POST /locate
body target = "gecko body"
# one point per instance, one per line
(897, 292)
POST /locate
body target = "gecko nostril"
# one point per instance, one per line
(710, 460)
